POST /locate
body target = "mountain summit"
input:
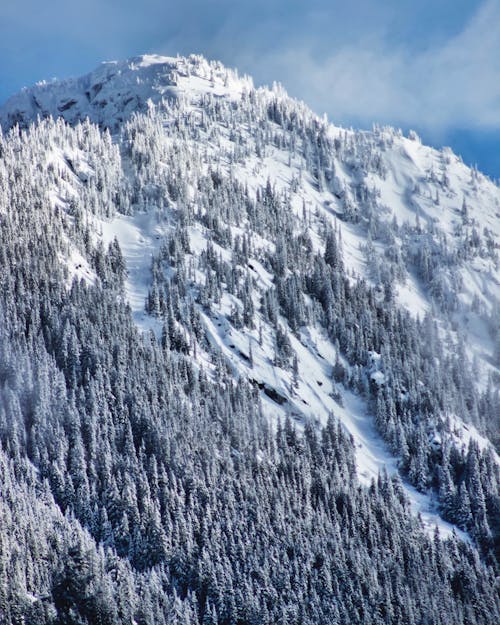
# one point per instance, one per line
(115, 90)
(249, 361)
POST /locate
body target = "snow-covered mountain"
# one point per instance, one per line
(404, 181)
(415, 224)
(194, 270)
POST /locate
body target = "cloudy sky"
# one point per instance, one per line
(431, 65)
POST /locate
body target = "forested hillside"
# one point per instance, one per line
(249, 361)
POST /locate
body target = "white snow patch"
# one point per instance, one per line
(139, 237)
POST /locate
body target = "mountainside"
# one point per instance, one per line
(221, 312)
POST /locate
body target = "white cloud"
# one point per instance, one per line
(453, 83)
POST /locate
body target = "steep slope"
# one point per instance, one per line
(382, 178)
(191, 283)
(416, 224)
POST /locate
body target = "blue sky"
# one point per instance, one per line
(432, 65)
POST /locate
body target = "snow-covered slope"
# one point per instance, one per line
(407, 218)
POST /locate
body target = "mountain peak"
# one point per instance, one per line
(112, 92)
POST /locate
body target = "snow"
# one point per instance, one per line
(465, 432)
(79, 268)
(411, 296)
(139, 237)
(378, 377)
(373, 456)
(76, 264)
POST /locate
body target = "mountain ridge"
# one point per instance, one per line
(112, 92)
